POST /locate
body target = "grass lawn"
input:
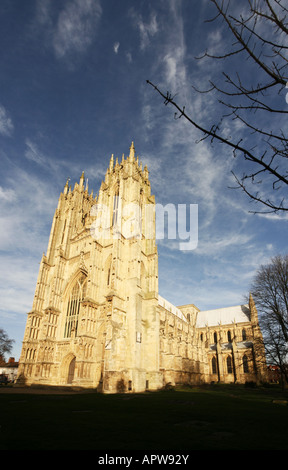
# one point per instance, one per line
(185, 419)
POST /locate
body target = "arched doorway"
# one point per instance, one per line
(71, 370)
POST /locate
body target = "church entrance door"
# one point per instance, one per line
(71, 371)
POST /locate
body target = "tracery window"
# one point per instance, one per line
(244, 337)
(77, 294)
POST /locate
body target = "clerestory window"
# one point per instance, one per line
(77, 294)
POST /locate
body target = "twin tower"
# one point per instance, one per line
(97, 320)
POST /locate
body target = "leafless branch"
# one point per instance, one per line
(240, 99)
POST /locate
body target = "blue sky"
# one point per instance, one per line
(73, 91)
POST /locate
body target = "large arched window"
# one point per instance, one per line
(77, 294)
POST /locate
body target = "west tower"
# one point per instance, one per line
(94, 320)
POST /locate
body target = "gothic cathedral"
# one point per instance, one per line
(97, 320)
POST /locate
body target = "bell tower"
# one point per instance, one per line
(126, 231)
(94, 320)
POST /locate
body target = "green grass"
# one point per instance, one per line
(190, 419)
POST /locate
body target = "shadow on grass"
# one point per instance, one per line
(185, 418)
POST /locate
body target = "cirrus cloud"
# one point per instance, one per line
(6, 124)
(71, 31)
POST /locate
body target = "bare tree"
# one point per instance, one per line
(270, 293)
(253, 100)
(5, 343)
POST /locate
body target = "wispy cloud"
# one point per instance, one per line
(71, 31)
(57, 167)
(218, 245)
(17, 284)
(116, 46)
(33, 153)
(26, 202)
(75, 28)
(204, 171)
(146, 29)
(7, 194)
(129, 57)
(6, 124)
(194, 171)
(43, 11)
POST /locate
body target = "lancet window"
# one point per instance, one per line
(245, 364)
(229, 365)
(77, 294)
(214, 365)
(229, 336)
(115, 208)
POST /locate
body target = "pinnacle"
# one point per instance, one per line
(132, 150)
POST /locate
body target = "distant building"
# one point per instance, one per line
(8, 369)
(97, 318)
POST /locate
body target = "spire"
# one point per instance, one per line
(82, 179)
(111, 162)
(66, 186)
(132, 151)
(145, 172)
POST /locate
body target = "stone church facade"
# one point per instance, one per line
(97, 319)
